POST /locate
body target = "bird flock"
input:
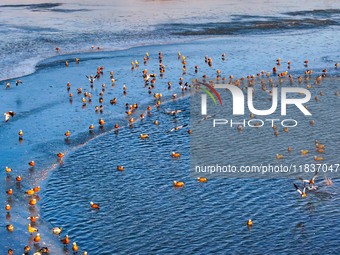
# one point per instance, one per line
(149, 81)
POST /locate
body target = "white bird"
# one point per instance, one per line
(310, 182)
(57, 230)
(173, 112)
(92, 78)
(205, 118)
(8, 115)
(177, 128)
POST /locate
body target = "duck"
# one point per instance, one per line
(75, 247)
(27, 249)
(316, 158)
(57, 230)
(279, 156)
(8, 169)
(175, 154)
(249, 223)
(9, 192)
(65, 240)
(178, 184)
(60, 155)
(30, 192)
(301, 192)
(20, 133)
(94, 206)
(320, 146)
(31, 163)
(8, 207)
(10, 228)
(116, 126)
(18, 178)
(36, 189)
(144, 136)
(101, 122)
(67, 133)
(289, 149)
(120, 168)
(31, 229)
(37, 238)
(304, 152)
(91, 127)
(44, 250)
(202, 179)
(156, 122)
(32, 202)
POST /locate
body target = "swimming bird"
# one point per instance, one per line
(175, 154)
(177, 128)
(31, 229)
(94, 206)
(65, 240)
(249, 223)
(9, 192)
(60, 155)
(279, 156)
(304, 152)
(301, 192)
(173, 112)
(144, 136)
(57, 230)
(311, 181)
(8, 115)
(75, 247)
(178, 184)
(29, 192)
(8, 207)
(31, 163)
(202, 179)
(32, 202)
(67, 133)
(316, 158)
(27, 249)
(36, 189)
(37, 238)
(120, 168)
(10, 228)
(44, 250)
(8, 169)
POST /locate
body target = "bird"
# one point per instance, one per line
(8, 115)
(144, 136)
(177, 128)
(75, 247)
(94, 206)
(92, 78)
(57, 230)
(202, 179)
(279, 156)
(120, 168)
(33, 218)
(178, 184)
(31, 229)
(9, 192)
(65, 240)
(173, 112)
(67, 133)
(301, 192)
(10, 227)
(175, 154)
(311, 181)
(37, 238)
(304, 152)
(31, 163)
(249, 223)
(205, 118)
(17, 82)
